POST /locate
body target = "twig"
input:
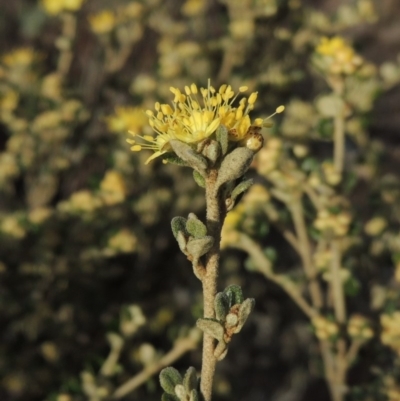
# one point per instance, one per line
(181, 346)
(296, 209)
(215, 218)
(65, 42)
(264, 266)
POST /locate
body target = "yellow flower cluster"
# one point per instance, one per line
(229, 234)
(55, 7)
(192, 120)
(337, 223)
(123, 241)
(375, 226)
(390, 335)
(102, 22)
(126, 118)
(324, 329)
(21, 57)
(358, 327)
(337, 56)
(113, 188)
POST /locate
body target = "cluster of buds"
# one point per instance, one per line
(359, 328)
(231, 313)
(324, 328)
(336, 57)
(178, 388)
(338, 224)
(390, 335)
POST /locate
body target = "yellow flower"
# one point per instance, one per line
(21, 57)
(113, 188)
(102, 22)
(126, 118)
(123, 241)
(54, 7)
(73, 5)
(339, 57)
(192, 120)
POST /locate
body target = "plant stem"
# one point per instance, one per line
(181, 346)
(296, 209)
(215, 217)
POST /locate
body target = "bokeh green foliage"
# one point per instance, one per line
(84, 224)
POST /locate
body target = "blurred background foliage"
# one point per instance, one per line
(87, 259)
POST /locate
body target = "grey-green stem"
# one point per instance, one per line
(215, 217)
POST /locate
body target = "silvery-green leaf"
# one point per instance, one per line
(194, 396)
(199, 246)
(234, 294)
(182, 241)
(196, 228)
(189, 155)
(231, 320)
(234, 165)
(169, 378)
(212, 151)
(221, 350)
(244, 311)
(222, 138)
(169, 397)
(221, 306)
(200, 181)
(178, 223)
(173, 159)
(240, 188)
(180, 392)
(190, 380)
(211, 327)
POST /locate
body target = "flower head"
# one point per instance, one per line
(195, 116)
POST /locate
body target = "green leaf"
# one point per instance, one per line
(190, 380)
(211, 327)
(243, 186)
(212, 151)
(234, 165)
(222, 138)
(200, 246)
(169, 397)
(194, 396)
(169, 378)
(200, 181)
(221, 306)
(189, 155)
(196, 228)
(244, 311)
(178, 223)
(174, 159)
(234, 294)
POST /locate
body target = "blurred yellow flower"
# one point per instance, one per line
(11, 226)
(23, 57)
(123, 241)
(390, 335)
(126, 118)
(73, 5)
(338, 56)
(102, 22)
(192, 8)
(54, 7)
(113, 188)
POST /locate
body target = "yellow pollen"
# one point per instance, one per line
(187, 90)
(253, 98)
(243, 88)
(193, 88)
(280, 109)
(136, 148)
